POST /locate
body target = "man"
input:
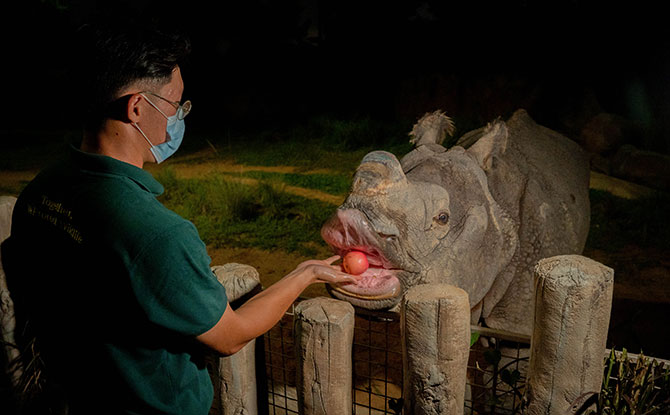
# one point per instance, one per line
(117, 290)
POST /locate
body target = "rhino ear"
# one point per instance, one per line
(493, 143)
(432, 128)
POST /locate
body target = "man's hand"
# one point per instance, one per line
(323, 271)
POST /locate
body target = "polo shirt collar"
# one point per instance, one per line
(108, 165)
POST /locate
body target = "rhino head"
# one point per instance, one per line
(433, 221)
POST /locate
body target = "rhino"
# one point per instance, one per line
(478, 215)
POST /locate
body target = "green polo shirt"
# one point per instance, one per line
(115, 287)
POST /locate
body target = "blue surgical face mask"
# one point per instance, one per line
(175, 133)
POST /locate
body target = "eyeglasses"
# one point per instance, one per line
(182, 109)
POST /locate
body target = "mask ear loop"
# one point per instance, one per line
(138, 127)
(143, 135)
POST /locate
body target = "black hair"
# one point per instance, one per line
(108, 57)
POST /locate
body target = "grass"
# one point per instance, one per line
(335, 184)
(633, 386)
(228, 213)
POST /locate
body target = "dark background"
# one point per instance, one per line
(260, 62)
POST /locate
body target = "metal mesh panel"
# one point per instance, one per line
(280, 364)
(496, 373)
(377, 362)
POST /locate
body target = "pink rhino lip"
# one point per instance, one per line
(348, 230)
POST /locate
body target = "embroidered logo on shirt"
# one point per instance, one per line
(57, 214)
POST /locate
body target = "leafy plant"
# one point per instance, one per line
(634, 386)
(474, 336)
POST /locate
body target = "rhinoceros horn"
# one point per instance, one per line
(378, 172)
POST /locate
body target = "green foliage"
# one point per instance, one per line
(634, 386)
(616, 222)
(228, 213)
(474, 336)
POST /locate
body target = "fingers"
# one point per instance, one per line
(324, 271)
(327, 261)
(348, 278)
(332, 274)
(332, 259)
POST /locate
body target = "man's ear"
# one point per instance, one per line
(133, 109)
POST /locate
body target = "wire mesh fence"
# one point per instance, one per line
(495, 368)
(280, 365)
(377, 363)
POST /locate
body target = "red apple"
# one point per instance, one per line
(355, 262)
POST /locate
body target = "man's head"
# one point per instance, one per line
(127, 77)
(113, 58)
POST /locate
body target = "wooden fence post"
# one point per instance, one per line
(324, 332)
(435, 330)
(573, 299)
(234, 377)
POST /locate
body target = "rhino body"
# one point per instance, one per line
(478, 215)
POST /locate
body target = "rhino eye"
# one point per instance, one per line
(386, 237)
(442, 218)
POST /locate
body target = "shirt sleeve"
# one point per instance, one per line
(174, 284)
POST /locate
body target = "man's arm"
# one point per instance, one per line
(258, 315)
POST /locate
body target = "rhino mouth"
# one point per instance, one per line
(377, 283)
(380, 286)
